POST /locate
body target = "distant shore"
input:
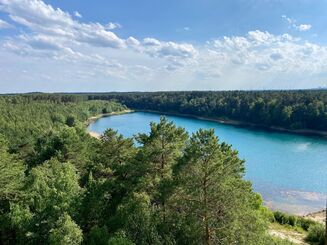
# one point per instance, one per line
(306, 132)
(319, 216)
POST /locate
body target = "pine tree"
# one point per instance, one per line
(213, 199)
(159, 152)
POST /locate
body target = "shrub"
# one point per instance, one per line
(316, 234)
(120, 239)
(292, 220)
(70, 121)
(305, 223)
(285, 219)
(98, 236)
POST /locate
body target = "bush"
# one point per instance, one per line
(316, 234)
(70, 121)
(279, 241)
(284, 219)
(120, 239)
(292, 220)
(98, 236)
(305, 223)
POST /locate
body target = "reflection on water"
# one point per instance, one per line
(291, 201)
(302, 147)
(289, 171)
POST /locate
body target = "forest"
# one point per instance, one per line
(296, 109)
(59, 185)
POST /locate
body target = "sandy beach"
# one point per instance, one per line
(93, 119)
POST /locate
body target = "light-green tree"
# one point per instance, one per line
(66, 232)
(12, 180)
(52, 189)
(120, 238)
(135, 216)
(11, 174)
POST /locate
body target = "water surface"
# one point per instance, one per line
(288, 170)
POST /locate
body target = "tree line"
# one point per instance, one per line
(300, 109)
(58, 185)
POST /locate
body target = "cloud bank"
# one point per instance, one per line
(50, 37)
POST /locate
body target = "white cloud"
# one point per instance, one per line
(42, 42)
(303, 27)
(288, 20)
(131, 41)
(265, 51)
(77, 14)
(151, 42)
(179, 54)
(43, 18)
(4, 24)
(95, 34)
(292, 24)
(55, 29)
(112, 26)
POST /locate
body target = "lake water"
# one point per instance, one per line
(288, 170)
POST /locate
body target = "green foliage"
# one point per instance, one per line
(93, 206)
(70, 121)
(210, 189)
(98, 236)
(11, 174)
(304, 223)
(66, 232)
(23, 118)
(316, 234)
(120, 239)
(284, 219)
(293, 220)
(160, 151)
(52, 189)
(278, 241)
(116, 154)
(135, 216)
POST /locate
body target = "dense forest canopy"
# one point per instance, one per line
(300, 109)
(58, 185)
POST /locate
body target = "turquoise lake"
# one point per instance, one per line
(288, 170)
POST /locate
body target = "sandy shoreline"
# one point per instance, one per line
(94, 134)
(319, 216)
(95, 118)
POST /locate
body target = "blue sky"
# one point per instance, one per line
(56, 45)
(206, 19)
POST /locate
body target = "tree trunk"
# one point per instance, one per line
(206, 222)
